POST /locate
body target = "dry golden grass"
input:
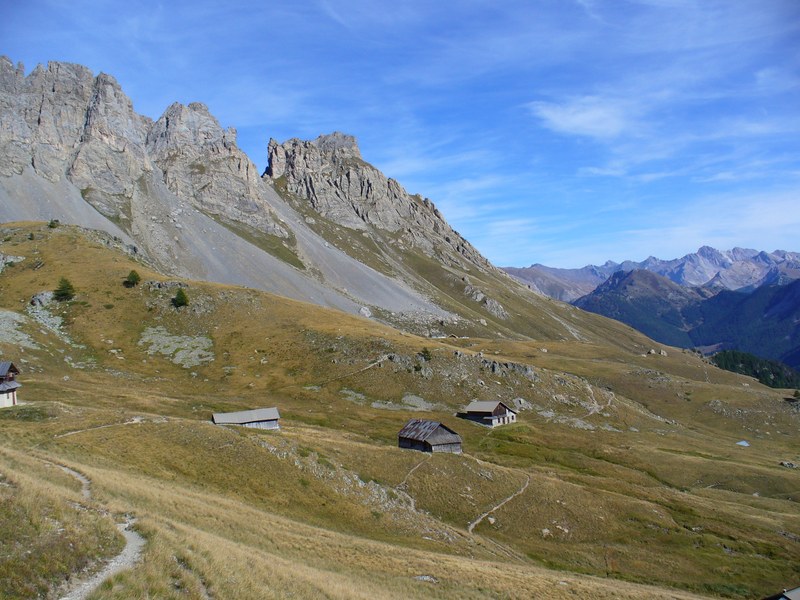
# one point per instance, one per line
(323, 509)
(202, 542)
(47, 533)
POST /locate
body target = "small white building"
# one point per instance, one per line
(8, 385)
(259, 418)
(490, 413)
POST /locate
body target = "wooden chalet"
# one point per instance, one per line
(8, 385)
(260, 418)
(429, 436)
(490, 413)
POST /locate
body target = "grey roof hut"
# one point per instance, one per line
(8, 385)
(429, 436)
(490, 413)
(259, 418)
(793, 594)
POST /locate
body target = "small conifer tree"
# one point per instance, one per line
(180, 299)
(65, 290)
(132, 279)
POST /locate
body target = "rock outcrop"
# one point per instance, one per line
(64, 122)
(330, 174)
(179, 190)
(201, 161)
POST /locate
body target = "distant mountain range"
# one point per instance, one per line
(764, 321)
(738, 269)
(739, 299)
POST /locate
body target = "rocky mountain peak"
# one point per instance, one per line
(340, 144)
(10, 76)
(712, 256)
(330, 174)
(44, 116)
(200, 161)
(193, 125)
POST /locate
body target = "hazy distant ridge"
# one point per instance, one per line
(731, 270)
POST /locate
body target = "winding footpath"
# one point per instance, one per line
(134, 421)
(404, 484)
(80, 589)
(524, 487)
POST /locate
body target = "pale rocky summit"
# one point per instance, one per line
(43, 116)
(330, 174)
(201, 161)
(111, 165)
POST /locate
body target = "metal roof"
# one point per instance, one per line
(487, 406)
(8, 386)
(433, 432)
(793, 594)
(246, 416)
(6, 366)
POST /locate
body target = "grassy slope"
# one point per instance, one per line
(530, 315)
(657, 479)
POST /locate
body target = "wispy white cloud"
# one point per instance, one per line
(329, 10)
(766, 221)
(591, 116)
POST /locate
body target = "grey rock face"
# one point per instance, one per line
(73, 148)
(201, 161)
(67, 124)
(111, 161)
(330, 174)
(490, 304)
(44, 116)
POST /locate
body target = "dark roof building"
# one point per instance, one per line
(490, 413)
(429, 436)
(260, 418)
(8, 385)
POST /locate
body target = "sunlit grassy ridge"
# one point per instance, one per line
(630, 459)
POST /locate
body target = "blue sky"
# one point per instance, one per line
(564, 132)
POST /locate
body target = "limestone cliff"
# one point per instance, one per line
(331, 175)
(72, 147)
(200, 160)
(64, 122)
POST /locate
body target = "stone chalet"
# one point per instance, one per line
(8, 385)
(490, 413)
(429, 436)
(260, 418)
